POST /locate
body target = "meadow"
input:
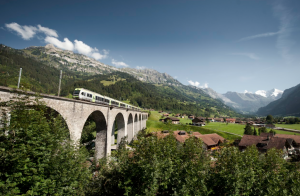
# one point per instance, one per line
(154, 125)
(289, 126)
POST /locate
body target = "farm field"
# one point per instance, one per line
(154, 126)
(237, 128)
(292, 126)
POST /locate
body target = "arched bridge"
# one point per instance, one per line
(76, 112)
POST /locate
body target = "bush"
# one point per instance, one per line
(36, 154)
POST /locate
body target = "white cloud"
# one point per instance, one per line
(259, 36)
(26, 32)
(47, 31)
(119, 63)
(85, 49)
(140, 67)
(65, 45)
(197, 84)
(250, 55)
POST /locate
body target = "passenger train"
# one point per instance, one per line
(86, 95)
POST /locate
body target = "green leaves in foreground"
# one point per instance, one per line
(36, 154)
(166, 167)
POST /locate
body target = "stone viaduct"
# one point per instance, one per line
(75, 113)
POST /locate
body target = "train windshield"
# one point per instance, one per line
(76, 92)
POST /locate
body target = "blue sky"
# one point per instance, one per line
(232, 45)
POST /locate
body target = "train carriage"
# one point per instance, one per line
(87, 95)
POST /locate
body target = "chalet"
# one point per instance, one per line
(177, 115)
(199, 121)
(166, 114)
(172, 119)
(209, 140)
(191, 117)
(264, 142)
(230, 120)
(219, 120)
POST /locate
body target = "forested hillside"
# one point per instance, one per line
(43, 78)
(287, 105)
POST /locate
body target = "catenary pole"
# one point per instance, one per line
(19, 77)
(59, 83)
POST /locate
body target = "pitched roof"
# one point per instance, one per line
(173, 118)
(296, 138)
(248, 140)
(263, 142)
(207, 140)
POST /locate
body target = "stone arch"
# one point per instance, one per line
(130, 127)
(120, 124)
(101, 133)
(136, 124)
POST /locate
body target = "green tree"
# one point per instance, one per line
(36, 154)
(269, 119)
(262, 130)
(248, 129)
(255, 132)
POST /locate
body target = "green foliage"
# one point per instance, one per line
(166, 167)
(248, 129)
(262, 130)
(155, 167)
(269, 119)
(255, 132)
(36, 154)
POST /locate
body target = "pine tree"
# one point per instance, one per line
(248, 130)
(254, 131)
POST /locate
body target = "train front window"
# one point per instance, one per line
(76, 92)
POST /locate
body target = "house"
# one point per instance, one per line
(199, 121)
(166, 114)
(172, 119)
(177, 115)
(230, 120)
(296, 138)
(191, 117)
(219, 120)
(209, 140)
(265, 142)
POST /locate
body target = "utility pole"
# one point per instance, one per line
(19, 77)
(59, 83)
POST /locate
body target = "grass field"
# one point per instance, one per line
(293, 126)
(154, 126)
(237, 128)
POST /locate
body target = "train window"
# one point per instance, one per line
(76, 92)
(83, 93)
(106, 100)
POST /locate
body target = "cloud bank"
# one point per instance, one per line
(119, 63)
(197, 84)
(28, 32)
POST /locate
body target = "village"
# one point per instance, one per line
(288, 145)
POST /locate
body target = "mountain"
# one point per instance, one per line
(287, 105)
(68, 60)
(273, 93)
(246, 103)
(42, 75)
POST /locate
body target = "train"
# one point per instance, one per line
(87, 95)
